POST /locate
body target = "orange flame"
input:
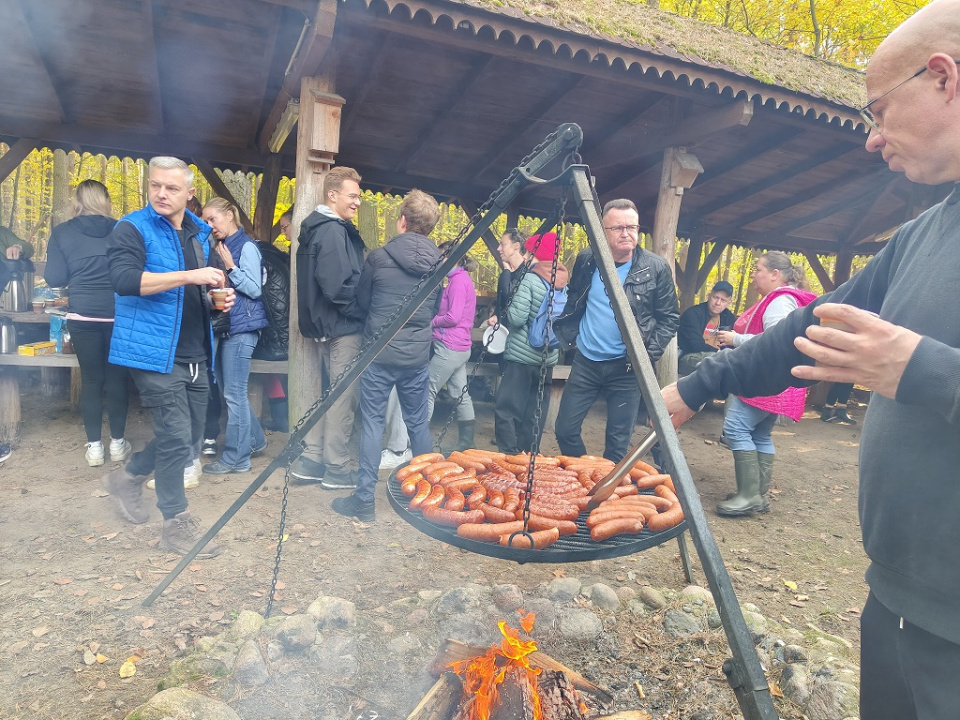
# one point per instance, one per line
(483, 675)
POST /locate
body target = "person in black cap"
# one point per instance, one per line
(697, 334)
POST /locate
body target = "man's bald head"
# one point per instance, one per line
(913, 85)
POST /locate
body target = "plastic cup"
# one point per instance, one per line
(219, 296)
(38, 306)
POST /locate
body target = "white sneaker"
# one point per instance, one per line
(94, 454)
(191, 476)
(120, 450)
(389, 459)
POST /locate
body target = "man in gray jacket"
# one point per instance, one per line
(909, 357)
(389, 275)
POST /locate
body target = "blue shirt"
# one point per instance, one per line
(599, 337)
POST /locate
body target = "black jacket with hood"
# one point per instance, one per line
(389, 275)
(77, 257)
(329, 261)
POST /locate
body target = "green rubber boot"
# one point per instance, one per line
(747, 500)
(465, 431)
(765, 460)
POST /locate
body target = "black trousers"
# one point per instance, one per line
(516, 406)
(905, 673)
(104, 384)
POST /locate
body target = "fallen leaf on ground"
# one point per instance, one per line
(128, 669)
(94, 646)
(118, 586)
(63, 581)
(139, 575)
(774, 690)
(109, 536)
(216, 616)
(101, 658)
(790, 584)
(288, 610)
(40, 631)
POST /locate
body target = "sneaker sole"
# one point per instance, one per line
(95, 462)
(337, 486)
(208, 453)
(122, 457)
(202, 555)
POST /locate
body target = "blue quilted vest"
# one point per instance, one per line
(146, 328)
(247, 314)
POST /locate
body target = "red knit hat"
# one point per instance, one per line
(548, 246)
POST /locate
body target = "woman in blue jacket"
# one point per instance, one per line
(237, 334)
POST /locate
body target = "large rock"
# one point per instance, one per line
(832, 699)
(250, 668)
(546, 614)
(561, 590)
(337, 658)
(795, 684)
(604, 597)
(333, 612)
(297, 633)
(182, 703)
(756, 624)
(697, 595)
(460, 600)
(190, 668)
(247, 625)
(652, 598)
(507, 598)
(579, 625)
(679, 623)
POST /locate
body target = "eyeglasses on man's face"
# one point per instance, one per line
(867, 114)
(352, 197)
(620, 229)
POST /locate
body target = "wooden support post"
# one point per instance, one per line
(841, 273)
(687, 282)
(222, 190)
(15, 155)
(10, 407)
(680, 169)
(267, 200)
(318, 140)
(820, 271)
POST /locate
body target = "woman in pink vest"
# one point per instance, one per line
(749, 421)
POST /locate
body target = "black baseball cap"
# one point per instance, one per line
(723, 286)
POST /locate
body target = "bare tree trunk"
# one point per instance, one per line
(816, 29)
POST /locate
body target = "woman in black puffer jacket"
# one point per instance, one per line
(76, 257)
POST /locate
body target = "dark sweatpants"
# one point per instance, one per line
(177, 402)
(905, 673)
(516, 407)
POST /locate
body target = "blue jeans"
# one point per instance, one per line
(614, 379)
(413, 390)
(747, 427)
(177, 402)
(243, 427)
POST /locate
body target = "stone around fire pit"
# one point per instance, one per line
(579, 625)
(563, 589)
(507, 598)
(333, 612)
(180, 702)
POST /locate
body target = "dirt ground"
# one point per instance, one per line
(74, 573)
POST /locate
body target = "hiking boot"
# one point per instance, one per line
(127, 490)
(840, 416)
(305, 471)
(209, 448)
(119, 450)
(181, 533)
(94, 454)
(333, 481)
(221, 468)
(350, 506)
(723, 441)
(465, 432)
(389, 459)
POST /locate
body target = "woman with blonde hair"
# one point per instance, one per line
(237, 333)
(748, 424)
(77, 257)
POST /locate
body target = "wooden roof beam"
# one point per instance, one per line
(847, 203)
(858, 230)
(304, 6)
(263, 71)
(220, 188)
(516, 129)
(620, 123)
(15, 155)
(27, 7)
(765, 183)
(616, 145)
(820, 271)
(307, 62)
(352, 109)
(152, 65)
(462, 88)
(691, 131)
(787, 243)
(747, 155)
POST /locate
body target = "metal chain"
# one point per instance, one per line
(474, 219)
(276, 562)
(560, 213)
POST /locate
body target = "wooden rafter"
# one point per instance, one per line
(610, 148)
(516, 129)
(448, 107)
(610, 131)
(307, 63)
(263, 71)
(304, 6)
(820, 271)
(216, 182)
(771, 241)
(15, 155)
(857, 230)
(757, 148)
(152, 66)
(765, 183)
(847, 203)
(352, 109)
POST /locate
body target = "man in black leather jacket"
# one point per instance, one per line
(601, 365)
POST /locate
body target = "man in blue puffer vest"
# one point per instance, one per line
(158, 267)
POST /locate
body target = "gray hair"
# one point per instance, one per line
(620, 204)
(165, 162)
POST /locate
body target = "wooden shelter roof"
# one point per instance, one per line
(448, 95)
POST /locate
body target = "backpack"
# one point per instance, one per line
(275, 294)
(538, 335)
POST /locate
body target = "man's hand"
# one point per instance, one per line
(210, 276)
(231, 299)
(13, 252)
(679, 412)
(868, 351)
(725, 338)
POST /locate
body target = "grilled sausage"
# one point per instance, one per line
(666, 520)
(620, 526)
(495, 514)
(537, 540)
(436, 496)
(452, 518)
(488, 532)
(423, 489)
(426, 457)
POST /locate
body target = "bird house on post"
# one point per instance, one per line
(684, 169)
(324, 136)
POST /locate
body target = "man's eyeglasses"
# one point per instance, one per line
(620, 229)
(284, 228)
(867, 114)
(352, 197)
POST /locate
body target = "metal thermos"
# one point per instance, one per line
(15, 298)
(8, 336)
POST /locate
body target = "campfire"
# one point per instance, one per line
(508, 681)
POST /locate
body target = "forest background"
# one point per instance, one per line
(36, 197)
